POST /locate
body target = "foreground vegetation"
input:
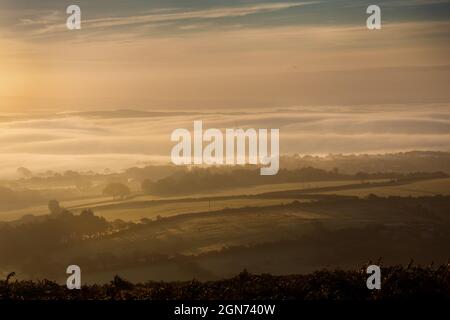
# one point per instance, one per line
(398, 282)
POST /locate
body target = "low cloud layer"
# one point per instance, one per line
(91, 141)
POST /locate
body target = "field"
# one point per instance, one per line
(278, 229)
(140, 206)
(414, 189)
(145, 207)
(296, 237)
(133, 211)
(129, 209)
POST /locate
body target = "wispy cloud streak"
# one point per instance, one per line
(48, 25)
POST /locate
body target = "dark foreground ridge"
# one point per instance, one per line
(398, 283)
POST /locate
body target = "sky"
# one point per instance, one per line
(309, 68)
(186, 55)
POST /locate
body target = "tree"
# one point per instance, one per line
(54, 207)
(116, 190)
(362, 176)
(24, 172)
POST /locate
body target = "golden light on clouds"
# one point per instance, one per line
(243, 67)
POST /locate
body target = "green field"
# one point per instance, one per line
(152, 211)
(144, 206)
(280, 239)
(280, 229)
(175, 208)
(414, 189)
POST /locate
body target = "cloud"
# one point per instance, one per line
(65, 142)
(49, 24)
(214, 13)
(408, 3)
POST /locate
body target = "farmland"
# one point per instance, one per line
(144, 206)
(277, 228)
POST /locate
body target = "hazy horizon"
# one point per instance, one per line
(121, 139)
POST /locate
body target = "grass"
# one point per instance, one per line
(198, 233)
(127, 211)
(180, 207)
(131, 210)
(414, 189)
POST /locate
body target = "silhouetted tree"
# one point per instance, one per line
(116, 190)
(54, 207)
(24, 172)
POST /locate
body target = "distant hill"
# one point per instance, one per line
(403, 162)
